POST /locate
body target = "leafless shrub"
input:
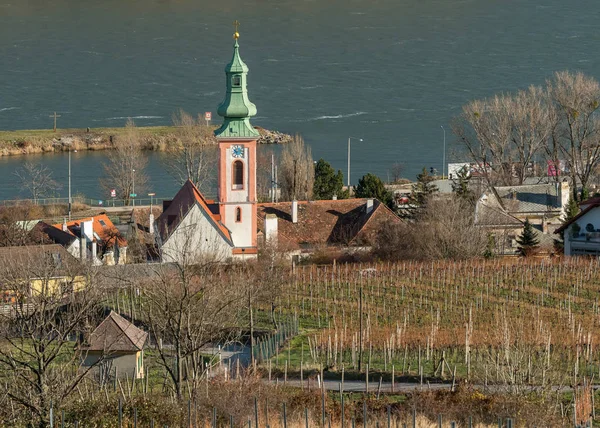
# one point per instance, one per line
(445, 230)
(37, 180)
(125, 170)
(194, 155)
(297, 173)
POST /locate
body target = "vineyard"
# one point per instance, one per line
(506, 322)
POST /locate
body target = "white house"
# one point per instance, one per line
(582, 233)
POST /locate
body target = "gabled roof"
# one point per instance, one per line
(184, 200)
(530, 198)
(102, 226)
(55, 234)
(590, 207)
(52, 254)
(116, 334)
(329, 222)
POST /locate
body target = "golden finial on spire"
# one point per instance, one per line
(236, 24)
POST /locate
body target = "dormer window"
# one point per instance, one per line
(236, 81)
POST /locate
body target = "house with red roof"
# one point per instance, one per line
(93, 238)
(298, 228)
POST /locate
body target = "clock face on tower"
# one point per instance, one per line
(237, 151)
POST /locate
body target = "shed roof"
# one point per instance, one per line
(116, 334)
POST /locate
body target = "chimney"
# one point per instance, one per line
(82, 247)
(271, 228)
(294, 211)
(565, 194)
(64, 225)
(369, 206)
(87, 229)
(151, 223)
(334, 198)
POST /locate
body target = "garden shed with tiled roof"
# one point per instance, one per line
(116, 346)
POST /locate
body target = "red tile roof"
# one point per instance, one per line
(183, 201)
(339, 222)
(102, 226)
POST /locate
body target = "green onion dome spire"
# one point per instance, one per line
(236, 109)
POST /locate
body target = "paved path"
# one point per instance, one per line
(386, 387)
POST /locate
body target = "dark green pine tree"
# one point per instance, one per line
(571, 210)
(327, 182)
(460, 185)
(423, 188)
(528, 240)
(371, 186)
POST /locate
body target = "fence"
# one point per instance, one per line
(110, 202)
(269, 346)
(264, 416)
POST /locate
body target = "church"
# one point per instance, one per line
(193, 227)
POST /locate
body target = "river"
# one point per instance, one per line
(389, 71)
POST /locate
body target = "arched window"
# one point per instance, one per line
(238, 215)
(238, 175)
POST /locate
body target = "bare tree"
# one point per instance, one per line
(55, 301)
(201, 309)
(504, 134)
(194, 155)
(264, 157)
(297, 172)
(444, 230)
(125, 170)
(37, 180)
(396, 171)
(576, 137)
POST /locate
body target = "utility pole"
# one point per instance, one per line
(444, 158)
(272, 178)
(69, 181)
(360, 340)
(349, 138)
(54, 116)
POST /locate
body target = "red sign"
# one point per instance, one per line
(113, 193)
(207, 115)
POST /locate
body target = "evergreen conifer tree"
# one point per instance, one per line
(371, 186)
(528, 240)
(423, 188)
(571, 210)
(460, 185)
(327, 182)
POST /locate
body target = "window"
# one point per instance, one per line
(236, 80)
(238, 175)
(102, 223)
(238, 215)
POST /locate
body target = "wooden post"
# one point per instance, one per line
(54, 116)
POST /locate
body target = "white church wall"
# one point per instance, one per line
(194, 240)
(241, 232)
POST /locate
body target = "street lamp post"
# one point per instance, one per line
(349, 138)
(444, 158)
(133, 187)
(70, 200)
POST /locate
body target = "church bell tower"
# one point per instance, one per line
(237, 157)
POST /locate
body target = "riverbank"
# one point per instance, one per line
(157, 138)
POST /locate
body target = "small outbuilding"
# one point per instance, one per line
(116, 346)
